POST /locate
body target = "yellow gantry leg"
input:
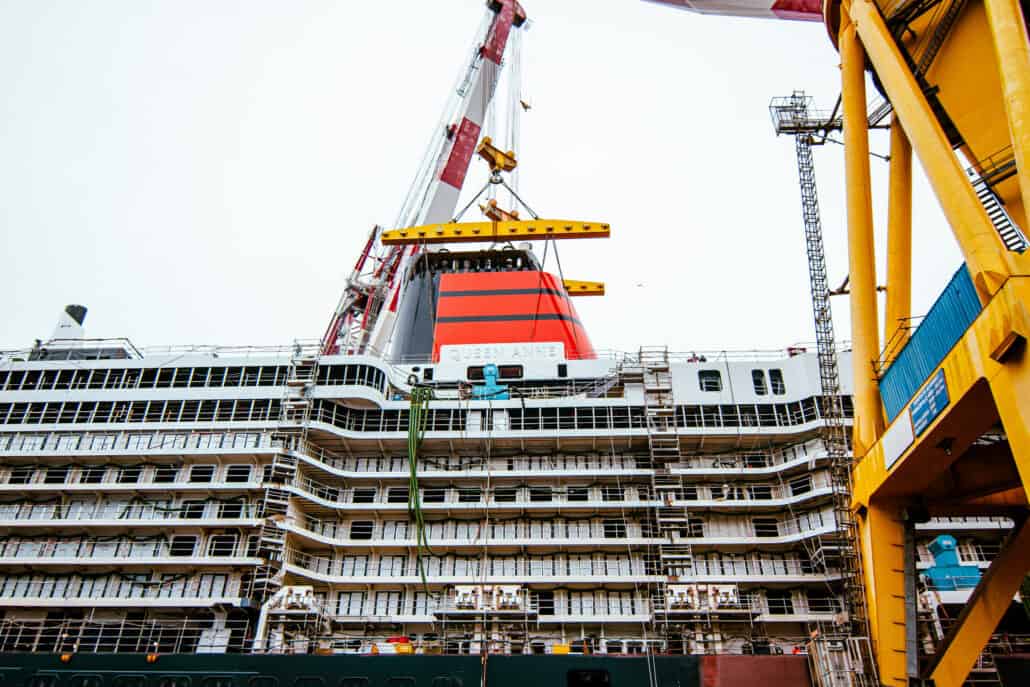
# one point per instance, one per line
(980, 244)
(899, 239)
(865, 325)
(1011, 44)
(883, 544)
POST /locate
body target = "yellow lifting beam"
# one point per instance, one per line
(576, 287)
(471, 232)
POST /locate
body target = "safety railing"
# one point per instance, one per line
(166, 636)
(107, 443)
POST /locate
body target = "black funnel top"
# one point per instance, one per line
(76, 312)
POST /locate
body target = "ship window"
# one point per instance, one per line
(217, 682)
(510, 371)
(202, 473)
(434, 495)
(776, 382)
(474, 374)
(263, 681)
(469, 495)
(164, 474)
(364, 495)
(766, 527)
(801, 485)
(588, 678)
(709, 380)
(237, 473)
(397, 495)
(758, 379)
(56, 475)
(182, 545)
(130, 681)
(193, 510)
(361, 529)
(780, 602)
(222, 545)
(612, 493)
(354, 682)
(21, 474)
(129, 474)
(92, 474)
(539, 494)
(578, 493)
(614, 529)
(42, 681)
(505, 495)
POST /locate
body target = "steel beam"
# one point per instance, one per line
(980, 244)
(865, 324)
(984, 610)
(576, 287)
(899, 240)
(484, 232)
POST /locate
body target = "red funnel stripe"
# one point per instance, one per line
(507, 307)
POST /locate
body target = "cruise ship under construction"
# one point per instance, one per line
(454, 486)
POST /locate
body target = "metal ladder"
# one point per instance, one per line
(1009, 231)
(674, 559)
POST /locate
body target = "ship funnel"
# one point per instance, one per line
(69, 324)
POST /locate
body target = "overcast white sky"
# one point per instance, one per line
(206, 172)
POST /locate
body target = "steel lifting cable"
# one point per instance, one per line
(418, 417)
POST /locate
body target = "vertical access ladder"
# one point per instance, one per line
(294, 415)
(672, 557)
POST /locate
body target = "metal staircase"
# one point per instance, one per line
(672, 559)
(1010, 233)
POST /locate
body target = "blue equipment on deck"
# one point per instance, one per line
(490, 389)
(946, 574)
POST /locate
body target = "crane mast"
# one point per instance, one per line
(364, 317)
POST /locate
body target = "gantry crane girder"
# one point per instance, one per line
(473, 232)
(942, 418)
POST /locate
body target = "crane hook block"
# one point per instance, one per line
(499, 160)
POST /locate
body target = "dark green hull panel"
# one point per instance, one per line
(343, 670)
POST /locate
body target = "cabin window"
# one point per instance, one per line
(468, 495)
(505, 495)
(263, 681)
(614, 529)
(434, 495)
(588, 678)
(42, 681)
(166, 474)
(709, 380)
(364, 495)
(92, 474)
(776, 381)
(780, 601)
(182, 545)
(202, 473)
(539, 494)
(217, 682)
(237, 473)
(221, 545)
(800, 485)
(22, 474)
(758, 379)
(361, 529)
(578, 493)
(766, 527)
(397, 495)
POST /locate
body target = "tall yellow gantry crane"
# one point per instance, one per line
(957, 75)
(922, 406)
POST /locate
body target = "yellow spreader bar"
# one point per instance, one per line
(584, 288)
(497, 231)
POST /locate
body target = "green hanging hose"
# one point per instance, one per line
(418, 417)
